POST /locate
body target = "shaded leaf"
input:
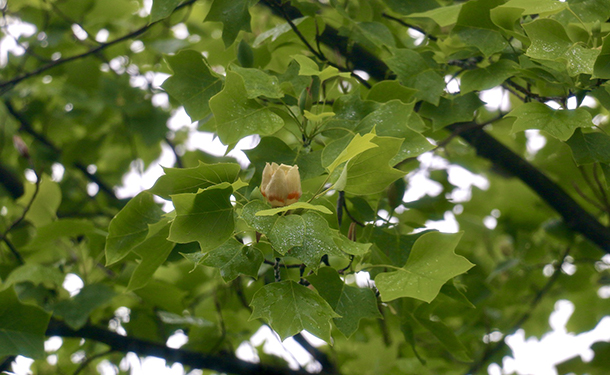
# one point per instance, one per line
(190, 180)
(193, 83)
(205, 217)
(295, 206)
(449, 111)
(22, 327)
(234, 16)
(352, 303)
(413, 71)
(238, 116)
(162, 8)
(590, 147)
(558, 123)
(290, 308)
(75, 311)
(259, 83)
(233, 259)
(130, 226)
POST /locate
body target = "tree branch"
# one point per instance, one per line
(7, 85)
(225, 363)
(576, 217)
(27, 127)
(498, 346)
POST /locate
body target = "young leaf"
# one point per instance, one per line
(130, 226)
(205, 217)
(558, 123)
(358, 145)
(233, 259)
(295, 206)
(431, 264)
(443, 16)
(290, 308)
(238, 116)
(370, 172)
(190, 180)
(22, 327)
(352, 303)
(193, 83)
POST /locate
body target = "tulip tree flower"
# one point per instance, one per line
(281, 184)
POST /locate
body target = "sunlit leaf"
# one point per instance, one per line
(558, 123)
(431, 264)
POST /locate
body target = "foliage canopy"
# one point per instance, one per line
(354, 92)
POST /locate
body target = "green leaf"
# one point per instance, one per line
(75, 311)
(63, 228)
(259, 83)
(152, 252)
(590, 147)
(130, 226)
(205, 217)
(601, 69)
(444, 334)
(290, 308)
(162, 8)
(284, 232)
(233, 259)
(558, 123)
(193, 83)
(22, 327)
(550, 41)
(358, 145)
(414, 72)
(317, 241)
(475, 28)
(45, 205)
(295, 206)
(351, 303)
(488, 77)
(385, 91)
(238, 116)
(190, 180)
(370, 172)
(36, 274)
(234, 16)
(443, 16)
(449, 111)
(431, 264)
(350, 247)
(277, 31)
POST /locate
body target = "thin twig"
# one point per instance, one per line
(7, 85)
(87, 361)
(405, 24)
(491, 351)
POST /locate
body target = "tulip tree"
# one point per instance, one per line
(367, 98)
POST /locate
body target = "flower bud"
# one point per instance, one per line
(281, 184)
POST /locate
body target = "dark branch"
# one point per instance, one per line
(28, 128)
(7, 85)
(405, 24)
(225, 363)
(576, 217)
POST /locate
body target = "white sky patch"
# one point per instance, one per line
(452, 84)
(289, 350)
(533, 356)
(448, 225)
(586, 102)
(73, 284)
(535, 142)
(496, 99)
(417, 35)
(210, 143)
(177, 339)
(137, 180)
